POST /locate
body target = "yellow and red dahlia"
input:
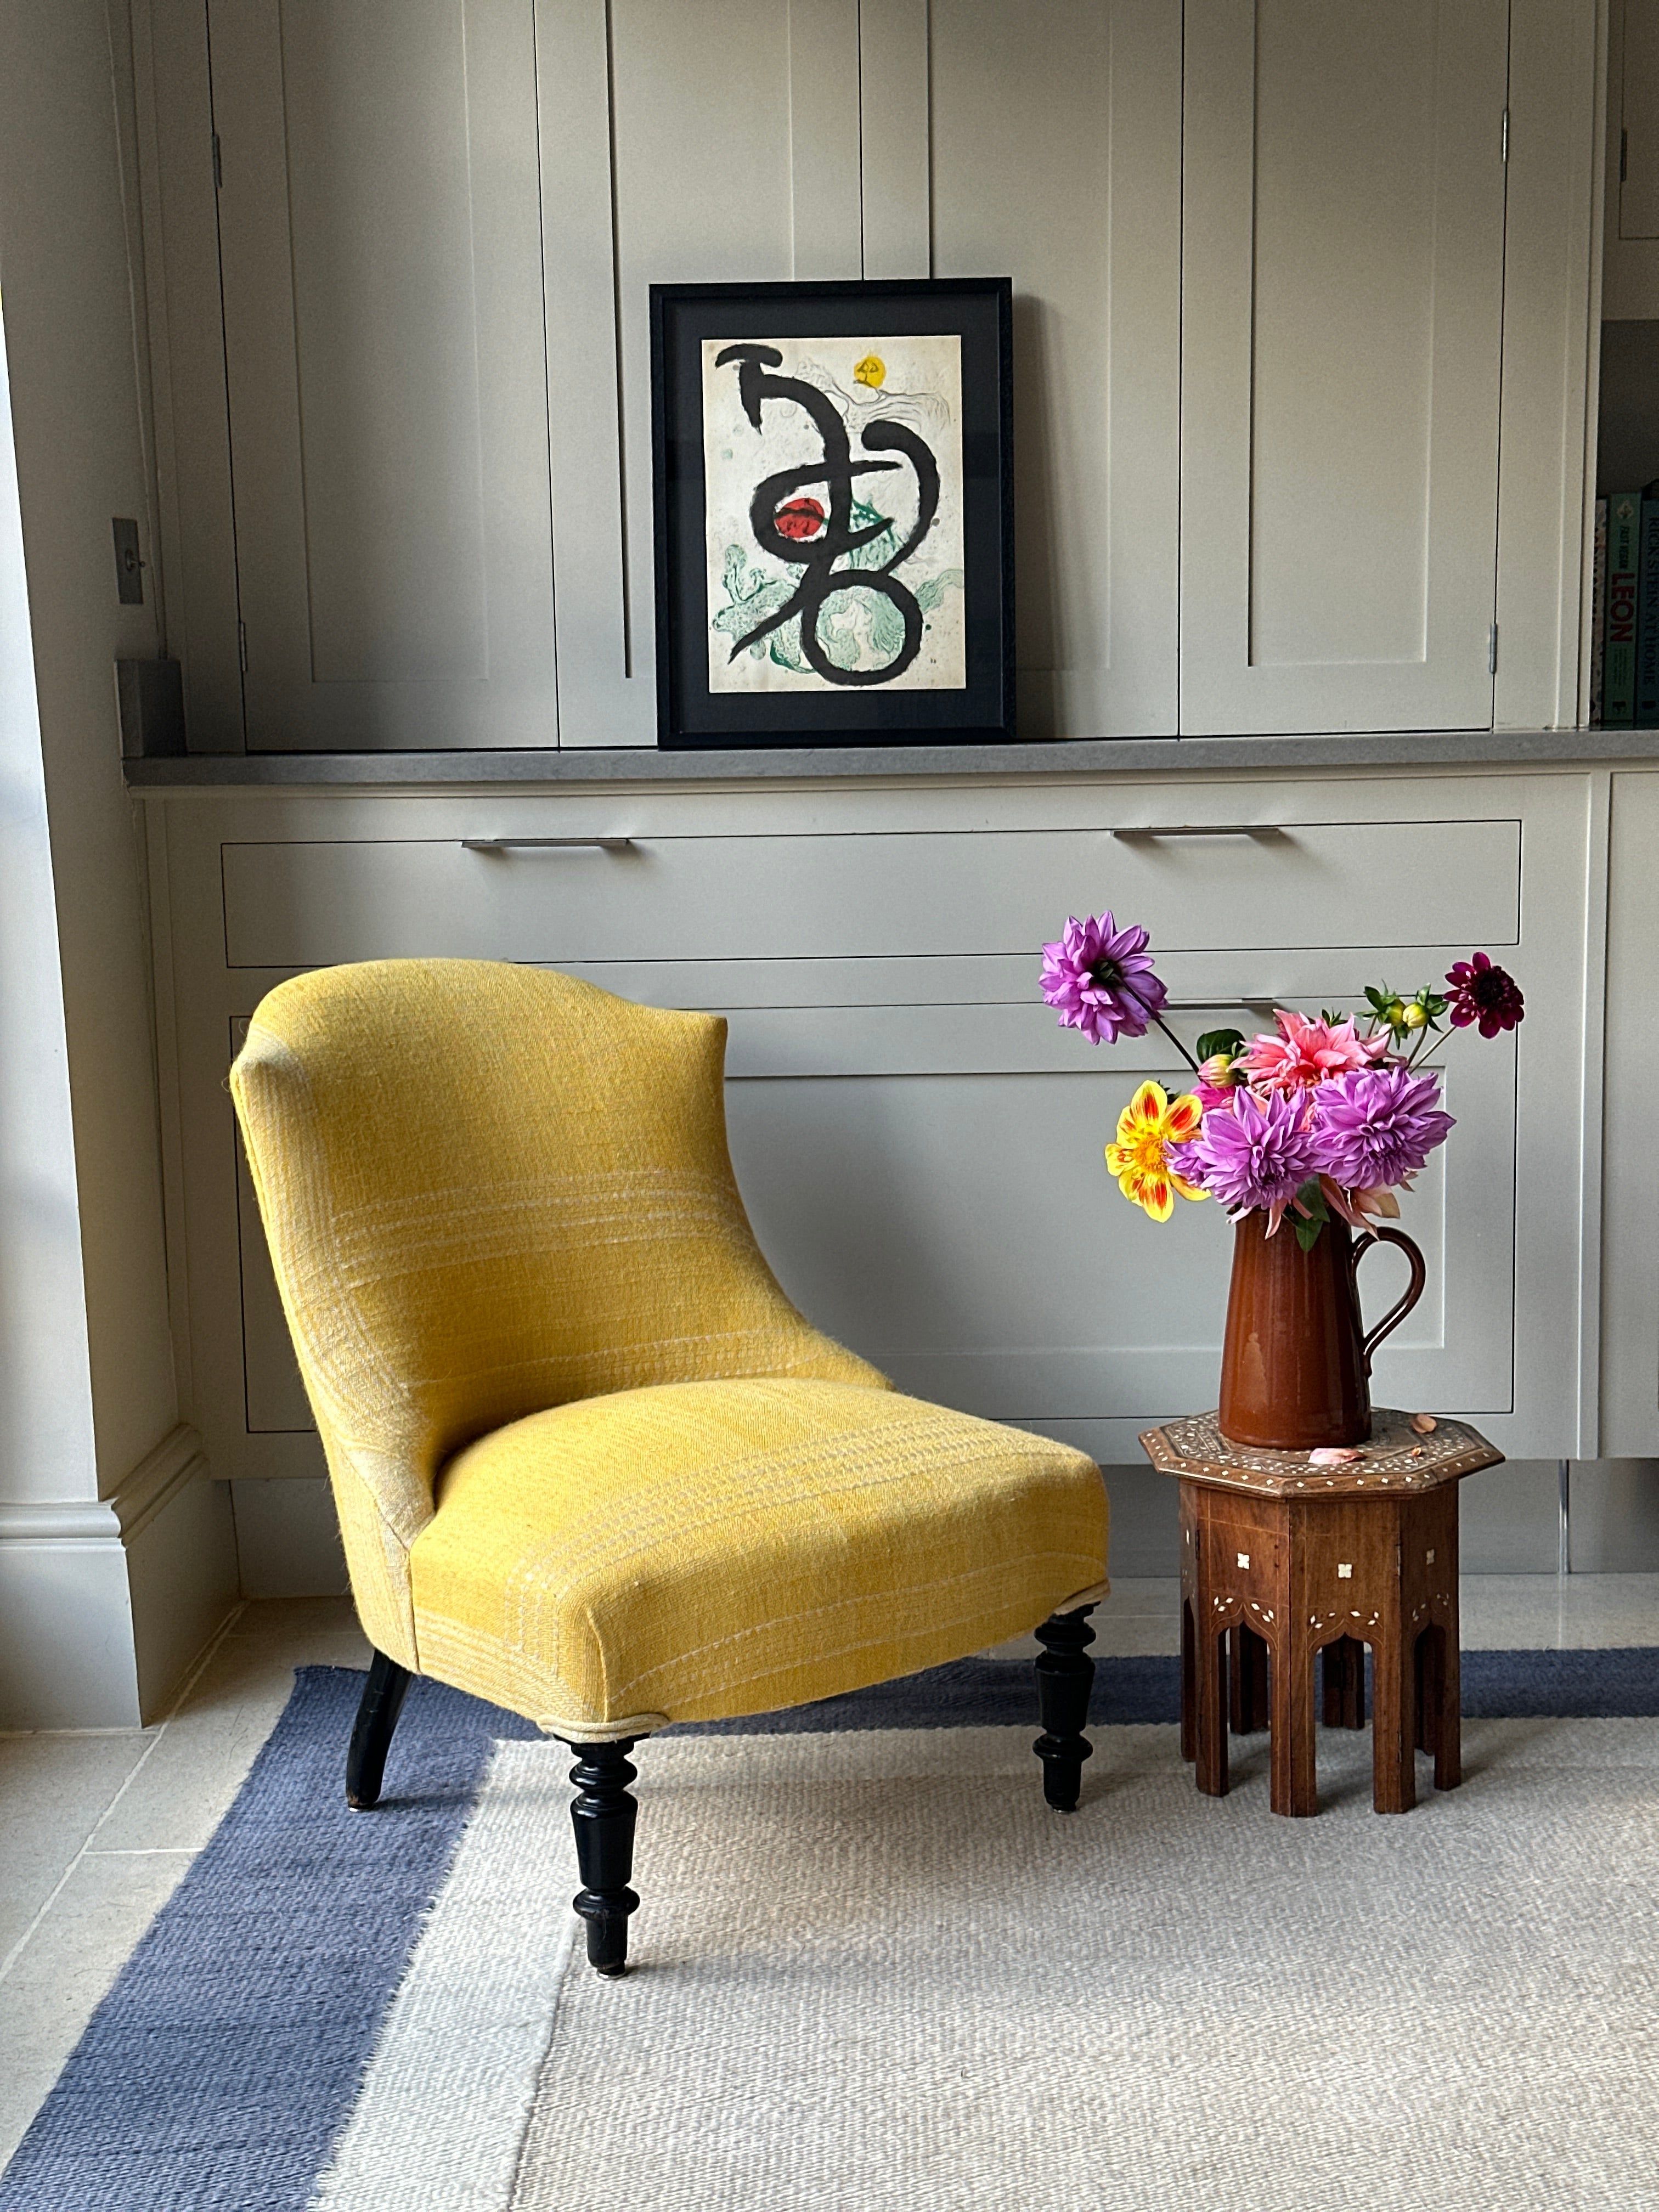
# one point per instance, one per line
(1149, 1128)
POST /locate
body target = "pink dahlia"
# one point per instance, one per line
(1376, 1127)
(1257, 1156)
(1305, 1053)
(1100, 978)
(1481, 992)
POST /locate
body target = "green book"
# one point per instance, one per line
(1624, 567)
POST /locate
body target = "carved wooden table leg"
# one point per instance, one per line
(1394, 1719)
(1428, 1545)
(1247, 1681)
(1345, 1683)
(1188, 1625)
(1295, 1781)
(1210, 1708)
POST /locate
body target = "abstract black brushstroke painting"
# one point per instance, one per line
(833, 539)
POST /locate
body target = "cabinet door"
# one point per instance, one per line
(1342, 287)
(1630, 287)
(1629, 1211)
(380, 233)
(1055, 160)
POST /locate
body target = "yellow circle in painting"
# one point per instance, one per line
(872, 370)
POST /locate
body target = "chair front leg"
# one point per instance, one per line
(603, 1815)
(1066, 1675)
(371, 1733)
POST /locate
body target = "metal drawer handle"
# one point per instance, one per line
(1211, 1005)
(547, 844)
(1205, 829)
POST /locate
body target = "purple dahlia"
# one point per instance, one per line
(1481, 992)
(1257, 1155)
(1377, 1126)
(1100, 978)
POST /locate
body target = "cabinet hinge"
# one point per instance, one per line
(1492, 651)
(1506, 133)
(241, 645)
(218, 166)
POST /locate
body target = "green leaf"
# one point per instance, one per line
(1309, 1226)
(1231, 1041)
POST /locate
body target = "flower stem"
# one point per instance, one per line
(1129, 993)
(1173, 1038)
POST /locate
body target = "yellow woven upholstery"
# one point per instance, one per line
(710, 1548)
(589, 1460)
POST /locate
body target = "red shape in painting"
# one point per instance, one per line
(800, 518)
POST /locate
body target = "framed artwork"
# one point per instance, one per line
(833, 477)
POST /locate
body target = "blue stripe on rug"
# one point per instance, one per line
(215, 2075)
(1128, 1693)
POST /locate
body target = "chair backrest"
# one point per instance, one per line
(490, 1189)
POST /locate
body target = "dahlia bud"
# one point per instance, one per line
(1395, 1013)
(1217, 1071)
(1414, 1016)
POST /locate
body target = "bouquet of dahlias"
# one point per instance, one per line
(1324, 1117)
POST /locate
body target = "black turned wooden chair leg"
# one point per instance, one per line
(603, 1815)
(1066, 1675)
(371, 1733)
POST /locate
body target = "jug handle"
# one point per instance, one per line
(1396, 1313)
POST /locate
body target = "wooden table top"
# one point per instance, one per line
(1397, 1458)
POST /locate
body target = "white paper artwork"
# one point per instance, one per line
(833, 488)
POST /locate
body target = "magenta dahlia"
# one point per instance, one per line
(1255, 1155)
(1376, 1127)
(1100, 978)
(1482, 992)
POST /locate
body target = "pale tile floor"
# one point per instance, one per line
(95, 1829)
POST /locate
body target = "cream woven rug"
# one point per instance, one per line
(874, 1972)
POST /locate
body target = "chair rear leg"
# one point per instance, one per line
(1066, 1675)
(371, 1735)
(603, 1815)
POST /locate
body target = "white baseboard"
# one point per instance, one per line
(104, 1602)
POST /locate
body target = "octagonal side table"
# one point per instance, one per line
(1289, 1560)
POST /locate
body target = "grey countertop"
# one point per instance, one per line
(1081, 757)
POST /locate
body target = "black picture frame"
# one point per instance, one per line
(690, 717)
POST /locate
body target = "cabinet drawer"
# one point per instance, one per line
(852, 896)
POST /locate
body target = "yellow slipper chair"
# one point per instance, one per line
(589, 1463)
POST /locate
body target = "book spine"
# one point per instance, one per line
(1647, 617)
(1598, 613)
(1619, 668)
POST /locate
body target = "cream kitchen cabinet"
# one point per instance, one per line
(1342, 348)
(919, 1144)
(1630, 1214)
(1300, 356)
(1629, 278)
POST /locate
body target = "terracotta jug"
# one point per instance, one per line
(1296, 1364)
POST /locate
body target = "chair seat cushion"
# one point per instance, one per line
(701, 1550)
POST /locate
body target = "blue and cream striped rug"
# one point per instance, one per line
(874, 1972)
